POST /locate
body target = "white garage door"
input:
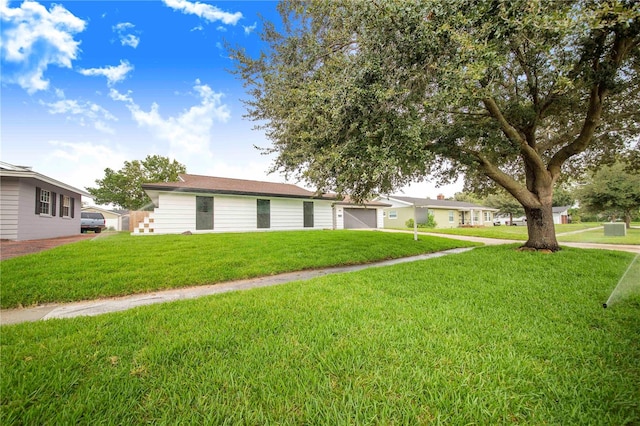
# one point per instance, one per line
(359, 218)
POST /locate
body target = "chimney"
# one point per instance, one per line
(440, 197)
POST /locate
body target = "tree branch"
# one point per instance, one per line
(513, 135)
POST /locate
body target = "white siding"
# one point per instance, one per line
(9, 199)
(176, 214)
(235, 213)
(323, 214)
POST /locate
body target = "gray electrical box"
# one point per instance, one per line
(615, 230)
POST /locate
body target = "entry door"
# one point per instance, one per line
(204, 213)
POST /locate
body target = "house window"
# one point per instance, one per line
(451, 216)
(65, 206)
(393, 214)
(264, 214)
(487, 216)
(44, 205)
(476, 217)
(307, 207)
(204, 213)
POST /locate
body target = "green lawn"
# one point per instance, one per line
(491, 336)
(123, 264)
(519, 233)
(597, 236)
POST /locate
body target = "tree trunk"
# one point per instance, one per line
(542, 231)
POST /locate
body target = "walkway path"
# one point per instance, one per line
(101, 306)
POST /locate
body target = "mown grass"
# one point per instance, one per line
(123, 264)
(519, 233)
(491, 336)
(597, 236)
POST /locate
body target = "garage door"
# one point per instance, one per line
(359, 218)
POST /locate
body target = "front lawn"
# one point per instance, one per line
(597, 236)
(123, 264)
(519, 233)
(491, 336)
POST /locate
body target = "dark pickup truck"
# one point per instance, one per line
(90, 221)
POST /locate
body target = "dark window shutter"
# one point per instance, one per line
(61, 205)
(53, 204)
(72, 207)
(37, 200)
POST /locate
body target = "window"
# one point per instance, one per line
(65, 206)
(307, 207)
(393, 214)
(44, 202)
(204, 213)
(476, 217)
(487, 216)
(264, 214)
(451, 216)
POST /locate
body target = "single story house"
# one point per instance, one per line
(116, 220)
(560, 215)
(201, 204)
(447, 213)
(34, 206)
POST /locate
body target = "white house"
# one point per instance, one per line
(203, 204)
(560, 214)
(35, 206)
(447, 213)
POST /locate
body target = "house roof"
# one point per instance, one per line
(438, 204)
(219, 185)
(560, 209)
(24, 172)
(347, 201)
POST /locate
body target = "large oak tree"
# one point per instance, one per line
(363, 97)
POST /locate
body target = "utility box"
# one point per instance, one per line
(615, 230)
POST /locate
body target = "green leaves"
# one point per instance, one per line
(124, 187)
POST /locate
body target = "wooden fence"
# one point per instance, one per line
(135, 217)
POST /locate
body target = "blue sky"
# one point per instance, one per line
(90, 84)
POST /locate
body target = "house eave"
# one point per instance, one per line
(158, 188)
(20, 174)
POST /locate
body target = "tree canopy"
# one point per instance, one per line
(363, 97)
(124, 187)
(613, 191)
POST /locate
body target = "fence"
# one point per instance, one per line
(135, 217)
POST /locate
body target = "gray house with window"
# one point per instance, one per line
(34, 206)
(203, 204)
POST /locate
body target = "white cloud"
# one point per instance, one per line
(126, 39)
(205, 11)
(34, 38)
(249, 29)
(117, 96)
(198, 28)
(84, 161)
(85, 113)
(114, 74)
(188, 133)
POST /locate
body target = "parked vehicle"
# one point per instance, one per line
(90, 221)
(500, 220)
(519, 221)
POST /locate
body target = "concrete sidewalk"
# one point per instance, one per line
(102, 306)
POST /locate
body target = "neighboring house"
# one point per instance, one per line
(116, 220)
(561, 215)
(34, 206)
(201, 204)
(447, 213)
